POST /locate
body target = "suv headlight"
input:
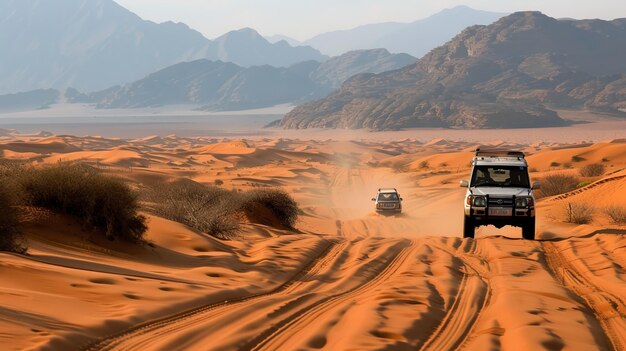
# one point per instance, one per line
(524, 202)
(479, 201)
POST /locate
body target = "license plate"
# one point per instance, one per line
(500, 212)
(389, 205)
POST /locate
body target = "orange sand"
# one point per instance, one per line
(349, 280)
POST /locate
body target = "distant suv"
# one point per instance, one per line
(499, 193)
(388, 201)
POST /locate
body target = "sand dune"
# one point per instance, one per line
(349, 279)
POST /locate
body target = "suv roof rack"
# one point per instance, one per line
(381, 189)
(485, 152)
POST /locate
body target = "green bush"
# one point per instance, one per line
(98, 201)
(10, 235)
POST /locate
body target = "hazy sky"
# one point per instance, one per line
(302, 19)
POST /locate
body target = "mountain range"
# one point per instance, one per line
(415, 38)
(94, 44)
(218, 85)
(507, 74)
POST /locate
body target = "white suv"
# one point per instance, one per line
(499, 193)
(388, 200)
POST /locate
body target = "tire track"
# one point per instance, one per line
(471, 299)
(588, 187)
(608, 309)
(286, 329)
(325, 257)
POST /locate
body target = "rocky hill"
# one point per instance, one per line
(217, 85)
(507, 74)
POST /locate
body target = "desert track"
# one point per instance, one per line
(608, 308)
(471, 298)
(132, 334)
(289, 328)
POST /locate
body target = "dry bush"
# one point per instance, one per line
(616, 213)
(579, 213)
(555, 184)
(200, 207)
(592, 170)
(555, 164)
(577, 158)
(10, 235)
(424, 165)
(98, 201)
(217, 211)
(282, 206)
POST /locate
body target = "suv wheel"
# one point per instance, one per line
(528, 230)
(468, 227)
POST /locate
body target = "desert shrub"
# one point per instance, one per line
(578, 213)
(217, 211)
(282, 206)
(577, 158)
(555, 184)
(605, 160)
(98, 201)
(592, 170)
(617, 214)
(203, 208)
(218, 182)
(424, 164)
(555, 164)
(10, 235)
(443, 164)
(584, 184)
(567, 165)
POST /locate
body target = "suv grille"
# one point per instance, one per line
(501, 202)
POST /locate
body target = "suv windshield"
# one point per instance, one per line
(501, 176)
(388, 197)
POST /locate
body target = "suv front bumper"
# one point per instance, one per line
(518, 218)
